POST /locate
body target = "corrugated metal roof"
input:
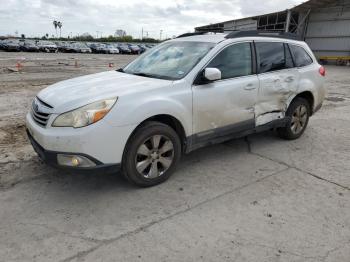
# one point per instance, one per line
(304, 6)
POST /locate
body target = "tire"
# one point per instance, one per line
(143, 163)
(298, 115)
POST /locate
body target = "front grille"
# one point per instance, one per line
(40, 112)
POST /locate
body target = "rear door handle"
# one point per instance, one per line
(250, 87)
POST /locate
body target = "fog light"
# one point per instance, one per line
(74, 161)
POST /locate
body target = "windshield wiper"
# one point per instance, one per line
(151, 76)
(121, 70)
(143, 74)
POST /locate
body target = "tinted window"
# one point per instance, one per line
(301, 57)
(234, 61)
(272, 57)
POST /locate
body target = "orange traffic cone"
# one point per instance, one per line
(19, 66)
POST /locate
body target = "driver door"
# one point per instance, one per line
(226, 106)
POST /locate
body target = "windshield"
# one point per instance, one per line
(173, 60)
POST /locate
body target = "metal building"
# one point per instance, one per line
(323, 24)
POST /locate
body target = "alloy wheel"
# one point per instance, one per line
(299, 119)
(154, 156)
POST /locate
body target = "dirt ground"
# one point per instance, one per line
(18, 86)
(253, 199)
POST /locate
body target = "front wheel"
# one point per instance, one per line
(298, 115)
(151, 154)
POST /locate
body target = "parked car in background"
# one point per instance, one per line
(1, 44)
(134, 49)
(93, 47)
(11, 45)
(124, 49)
(98, 48)
(61, 46)
(111, 49)
(29, 46)
(143, 48)
(78, 47)
(47, 46)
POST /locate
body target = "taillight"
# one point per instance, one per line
(322, 71)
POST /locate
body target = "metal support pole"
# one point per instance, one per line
(289, 13)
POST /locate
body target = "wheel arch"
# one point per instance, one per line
(170, 121)
(308, 96)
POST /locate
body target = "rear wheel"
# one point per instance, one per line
(298, 114)
(151, 154)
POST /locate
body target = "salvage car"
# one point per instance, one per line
(111, 49)
(98, 48)
(47, 46)
(134, 49)
(184, 94)
(29, 46)
(79, 48)
(11, 45)
(124, 49)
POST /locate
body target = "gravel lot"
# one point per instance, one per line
(253, 199)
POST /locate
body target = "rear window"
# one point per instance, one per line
(273, 56)
(301, 57)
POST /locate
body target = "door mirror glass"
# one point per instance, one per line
(212, 74)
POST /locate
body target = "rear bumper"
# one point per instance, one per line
(50, 158)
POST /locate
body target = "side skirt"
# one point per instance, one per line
(220, 135)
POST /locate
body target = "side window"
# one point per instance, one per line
(272, 57)
(234, 61)
(301, 57)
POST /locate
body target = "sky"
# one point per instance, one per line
(173, 17)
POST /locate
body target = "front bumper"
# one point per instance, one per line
(101, 142)
(50, 158)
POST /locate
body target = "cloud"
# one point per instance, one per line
(34, 17)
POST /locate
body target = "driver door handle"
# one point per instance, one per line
(250, 87)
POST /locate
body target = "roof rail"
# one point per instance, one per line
(191, 34)
(259, 33)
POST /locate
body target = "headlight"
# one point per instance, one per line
(85, 115)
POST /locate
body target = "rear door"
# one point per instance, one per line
(278, 81)
(227, 105)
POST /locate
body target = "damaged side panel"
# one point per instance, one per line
(275, 91)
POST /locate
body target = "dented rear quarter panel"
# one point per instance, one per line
(276, 89)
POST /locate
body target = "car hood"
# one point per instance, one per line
(73, 93)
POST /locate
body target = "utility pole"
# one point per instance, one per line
(160, 34)
(142, 34)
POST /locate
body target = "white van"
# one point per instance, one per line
(186, 93)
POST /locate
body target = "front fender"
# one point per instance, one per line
(132, 110)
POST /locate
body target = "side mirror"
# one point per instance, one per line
(212, 74)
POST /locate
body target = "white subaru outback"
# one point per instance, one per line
(186, 93)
